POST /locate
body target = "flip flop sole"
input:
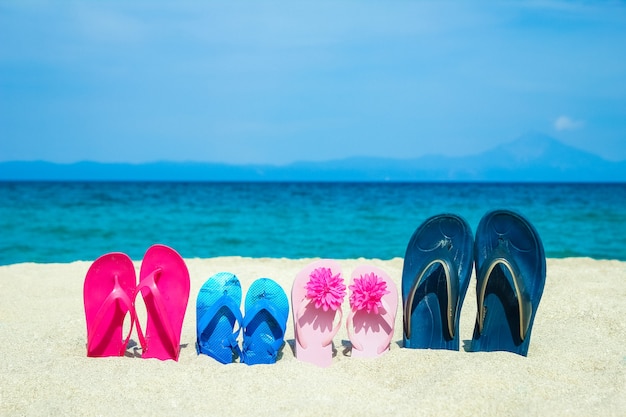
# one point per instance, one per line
(265, 321)
(316, 326)
(435, 276)
(108, 292)
(164, 285)
(371, 333)
(511, 272)
(217, 297)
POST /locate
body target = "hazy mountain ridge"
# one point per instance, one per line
(532, 157)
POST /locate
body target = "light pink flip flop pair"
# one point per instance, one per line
(317, 295)
(109, 293)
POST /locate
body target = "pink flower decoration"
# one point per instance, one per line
(326, 289)
(367, 293)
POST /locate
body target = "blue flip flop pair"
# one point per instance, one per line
(219, 320)
(510, 275)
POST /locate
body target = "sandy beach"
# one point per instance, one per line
(576, 364)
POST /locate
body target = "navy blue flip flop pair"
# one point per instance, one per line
(219, 320)
(510, 275)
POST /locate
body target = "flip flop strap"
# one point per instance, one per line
(301, 338)
(149, 283)
(117, 294)
(514, 279)
(228, 302)
(350, 327)
(452, 293)
(261, 305)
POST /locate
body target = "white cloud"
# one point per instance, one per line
(566, 123)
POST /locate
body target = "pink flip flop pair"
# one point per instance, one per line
(317, 295)
(109, 295)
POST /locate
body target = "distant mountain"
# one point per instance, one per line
(532, 157)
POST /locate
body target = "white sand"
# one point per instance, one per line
(576, 364)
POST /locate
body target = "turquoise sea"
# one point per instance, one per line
(67, 221)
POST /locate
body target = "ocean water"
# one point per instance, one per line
(62, 222)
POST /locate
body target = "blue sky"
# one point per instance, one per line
(281, 81)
